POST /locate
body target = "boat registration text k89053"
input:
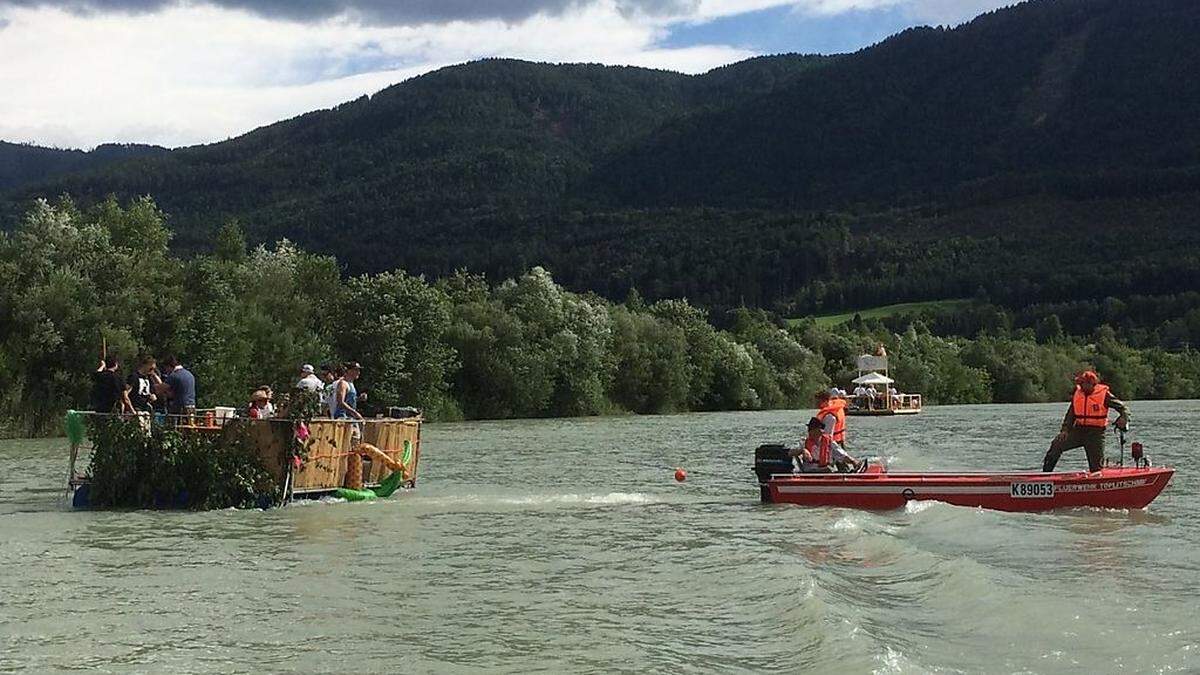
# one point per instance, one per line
(1031, 490)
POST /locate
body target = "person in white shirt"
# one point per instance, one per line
(308, 379)
(268, 409)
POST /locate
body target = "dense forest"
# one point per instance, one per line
(1047, 153)
(21, 164)
(72, 279)
(513, 239)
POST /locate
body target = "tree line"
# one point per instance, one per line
(463, 346)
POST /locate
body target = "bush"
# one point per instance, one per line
(165, 468)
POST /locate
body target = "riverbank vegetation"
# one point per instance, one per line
(466, 346)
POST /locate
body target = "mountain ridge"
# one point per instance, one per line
(1054, 102)
(24, 163)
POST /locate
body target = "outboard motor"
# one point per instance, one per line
(769, 459)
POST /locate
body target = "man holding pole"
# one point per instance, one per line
(1086, 422)
(107, 388)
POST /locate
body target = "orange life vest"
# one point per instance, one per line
(819, 449)
(1091, 411)
(837, 408)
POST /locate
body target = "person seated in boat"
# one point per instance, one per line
(831, 410)
(819, 453)
(1086, 421)
(815, 454)
(831, 413)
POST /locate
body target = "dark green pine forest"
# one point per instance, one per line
(1041, 161)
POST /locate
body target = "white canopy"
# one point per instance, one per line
(873, 378)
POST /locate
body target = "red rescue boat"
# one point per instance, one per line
(1116, 487)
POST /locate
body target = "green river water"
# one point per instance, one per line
(566, 546)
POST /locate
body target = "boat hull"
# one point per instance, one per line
(1110, 488)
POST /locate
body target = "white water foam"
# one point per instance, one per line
(894, 661)
(568, 499)
(606, 499)
(298, 503)
(920, 506)
(846, 524)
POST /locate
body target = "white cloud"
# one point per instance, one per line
(196, 73)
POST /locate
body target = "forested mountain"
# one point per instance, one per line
(22, 164)
(1045, 153)
(1057, 91)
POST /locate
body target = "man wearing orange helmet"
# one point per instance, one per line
(1086, 421)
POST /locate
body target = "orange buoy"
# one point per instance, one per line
(680, 475)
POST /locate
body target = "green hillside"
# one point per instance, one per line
(1052, 95)
(22, 164)
(1046, 153)
(903, 309)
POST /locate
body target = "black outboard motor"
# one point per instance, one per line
(769, 459)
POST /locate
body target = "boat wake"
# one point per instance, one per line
(612, 498)
(540, 501)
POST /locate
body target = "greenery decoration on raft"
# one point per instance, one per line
(169, 468)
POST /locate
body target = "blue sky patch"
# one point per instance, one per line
(784, 29)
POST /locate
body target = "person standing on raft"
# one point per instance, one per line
(1086, 421)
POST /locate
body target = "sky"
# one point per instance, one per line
(77, 73)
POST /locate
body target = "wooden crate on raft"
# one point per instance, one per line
(331, 442)
(392, 436)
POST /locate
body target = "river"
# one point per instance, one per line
(566, 545)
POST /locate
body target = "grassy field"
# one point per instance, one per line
(888, 310)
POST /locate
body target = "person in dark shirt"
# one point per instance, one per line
(107, 388)
(139, 388)
(179, 385)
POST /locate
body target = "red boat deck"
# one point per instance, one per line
(1111, 487)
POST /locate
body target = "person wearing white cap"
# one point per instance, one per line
(308, 380)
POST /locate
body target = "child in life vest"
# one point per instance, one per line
(816, 453)
(820, 454)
